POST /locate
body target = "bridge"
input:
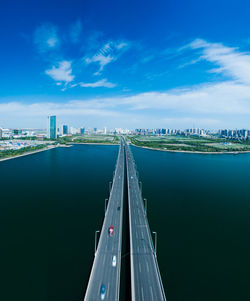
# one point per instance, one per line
(104, 281)
(105, 273)
(146, 281)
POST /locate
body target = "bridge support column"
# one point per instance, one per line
(155, 233)
(105, 206)
(145, 206)
(96, 239)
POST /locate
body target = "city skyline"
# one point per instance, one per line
(170, 65)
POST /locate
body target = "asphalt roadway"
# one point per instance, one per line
(103, 272)
(146, 283)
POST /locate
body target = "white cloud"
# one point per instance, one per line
(62, 73)
(230, 60)
(210, 105)
(46, 38)
(100, 83)
(103, 60)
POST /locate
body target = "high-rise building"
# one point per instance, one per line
(51, 134)
(1, 133)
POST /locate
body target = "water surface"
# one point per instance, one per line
(52, 203)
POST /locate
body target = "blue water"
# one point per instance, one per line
(52, 203)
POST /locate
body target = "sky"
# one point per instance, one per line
(125, 64)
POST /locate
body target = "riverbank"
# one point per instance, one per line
(193, 152)
(30, 152)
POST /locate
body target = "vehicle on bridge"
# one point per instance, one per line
(114, 261)
(111, 231)
(103, 292)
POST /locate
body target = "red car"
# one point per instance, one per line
(111, 231)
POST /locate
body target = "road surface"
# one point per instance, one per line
(146, 283)
(103, 272)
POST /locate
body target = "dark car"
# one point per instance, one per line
(103, 292)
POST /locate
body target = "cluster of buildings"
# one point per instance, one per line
(242, 134)
(20, 133)
(150, 132)
(64, 130)
(53, 132)
(18, 144)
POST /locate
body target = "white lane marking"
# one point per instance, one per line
(139, 267)
(151, 290)
(147, 266)
(142, 293)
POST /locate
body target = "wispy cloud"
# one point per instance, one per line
(101, 83)
(46, 37)
(101, 59)
(110, 52)
(61, 73)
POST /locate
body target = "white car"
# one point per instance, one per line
(114, 261)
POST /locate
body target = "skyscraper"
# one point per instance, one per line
(51, 134)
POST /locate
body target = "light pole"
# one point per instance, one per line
(105, 207)
(96, 238)
(155, 233)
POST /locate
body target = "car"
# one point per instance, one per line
(114, 261)
(111, 231)
(118, 208)
(103, 292)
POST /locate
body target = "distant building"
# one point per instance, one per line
(51, 134)
(65, 129)
(1, 133)
(17, 132)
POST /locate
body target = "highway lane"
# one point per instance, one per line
(103, 272)
(146, 283)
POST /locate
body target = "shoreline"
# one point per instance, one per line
(193, 152)
(89, 143)
(48, 148)
(29, 153)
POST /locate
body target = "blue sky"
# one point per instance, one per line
(131, 64)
